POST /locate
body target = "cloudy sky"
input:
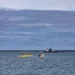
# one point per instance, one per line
(34, 29)
(39, 4)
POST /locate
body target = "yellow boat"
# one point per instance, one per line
(25, 55)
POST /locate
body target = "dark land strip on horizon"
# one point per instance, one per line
(36, 50)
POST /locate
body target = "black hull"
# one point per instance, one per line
(59, 51)
(51, 51)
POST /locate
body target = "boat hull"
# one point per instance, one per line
(51, 51)
(25, 55)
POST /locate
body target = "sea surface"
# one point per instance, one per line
(51, 64)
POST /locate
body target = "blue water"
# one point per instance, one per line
(51, 64)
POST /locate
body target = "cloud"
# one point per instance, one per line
(39, 4)
(2, 17)
(16, 18)
(15, 32)
(26, 31)
(35, 24)
(12, 18)
(23, 33)
(64, 30)
(57, 29)
(29, 25)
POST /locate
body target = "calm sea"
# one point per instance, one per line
(51, 64)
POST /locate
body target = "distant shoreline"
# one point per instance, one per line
(35, 50)
(19, 50)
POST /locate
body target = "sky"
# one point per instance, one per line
(38, 4)
(21, 29)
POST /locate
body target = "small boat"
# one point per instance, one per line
(25, 55)
(48, 50)
(51, 51)
(41, 55)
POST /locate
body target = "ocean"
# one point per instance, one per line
(51, 64)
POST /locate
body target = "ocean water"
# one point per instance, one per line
(51, 64)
